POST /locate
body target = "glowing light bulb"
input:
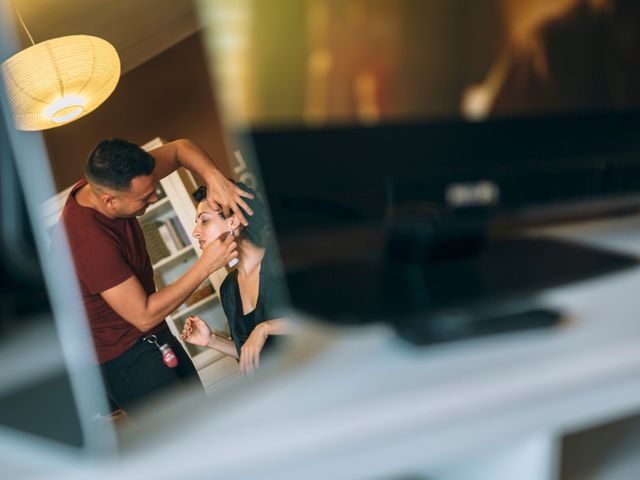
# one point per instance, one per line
(65, 108)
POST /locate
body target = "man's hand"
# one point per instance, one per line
(219, 252)
(250, 351)
(223, 194)
(196, 331)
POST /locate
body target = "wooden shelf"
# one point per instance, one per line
(195, 306)
(206, 358)
(167, 260)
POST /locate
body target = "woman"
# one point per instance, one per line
(245, 294)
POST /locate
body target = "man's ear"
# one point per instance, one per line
(108, 200)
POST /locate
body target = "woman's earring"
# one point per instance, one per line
(234, 261)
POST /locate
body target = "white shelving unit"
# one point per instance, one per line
(173, 257)
(192, 308)
(158, 205)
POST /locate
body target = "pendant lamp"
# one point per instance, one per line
(57, 81)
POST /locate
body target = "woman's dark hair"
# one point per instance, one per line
(114, 163)
(256, 231)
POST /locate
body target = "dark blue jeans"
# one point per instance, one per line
(139, 374)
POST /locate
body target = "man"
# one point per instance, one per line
(126, 313)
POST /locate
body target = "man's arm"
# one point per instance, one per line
(129, 300)
(221, 192)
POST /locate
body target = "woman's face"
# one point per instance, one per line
(210, 224)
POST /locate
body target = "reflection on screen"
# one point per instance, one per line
(366, 61)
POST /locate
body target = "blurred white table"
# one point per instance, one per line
(358, 403)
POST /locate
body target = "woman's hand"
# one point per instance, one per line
(250, 351)
(223, 194)
(196, 331)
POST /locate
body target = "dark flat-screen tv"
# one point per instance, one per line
(424, 223)
(410, 199)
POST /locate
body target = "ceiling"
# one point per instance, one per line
(138, 29)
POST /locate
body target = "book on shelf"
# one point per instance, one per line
(174, 234)
(155, 245)
(163, 230)
(177, 225)
(177, 232)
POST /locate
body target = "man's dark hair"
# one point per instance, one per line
(114, 163)
(256, 232)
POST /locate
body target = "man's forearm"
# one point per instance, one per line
(168, 299)
(195, 159)
(183, 153)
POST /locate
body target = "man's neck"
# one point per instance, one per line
(88, 197)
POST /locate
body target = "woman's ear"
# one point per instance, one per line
(233, 222)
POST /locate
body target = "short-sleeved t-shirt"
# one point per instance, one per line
(106, 252)
(267, 308)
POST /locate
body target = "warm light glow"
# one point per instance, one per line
(59, 80)
(65, 108)
(67, 113)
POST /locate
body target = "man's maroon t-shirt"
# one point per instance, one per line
(106, 252)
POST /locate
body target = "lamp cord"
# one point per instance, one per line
(15, 6)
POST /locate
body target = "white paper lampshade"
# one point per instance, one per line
(60, 80)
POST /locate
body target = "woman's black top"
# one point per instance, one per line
(242, 325)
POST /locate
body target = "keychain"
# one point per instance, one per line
(168, 357)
